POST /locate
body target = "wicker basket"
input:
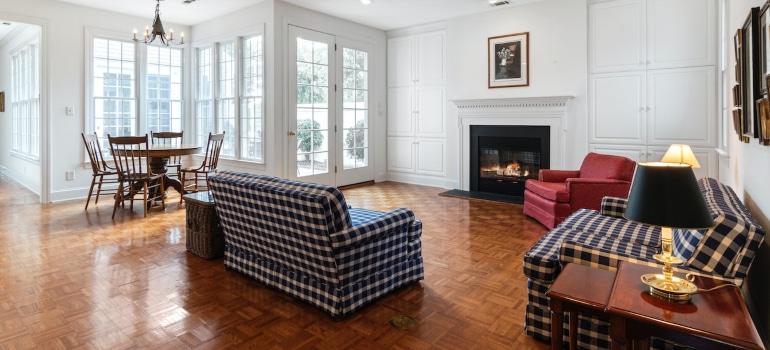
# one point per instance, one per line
(204, 234)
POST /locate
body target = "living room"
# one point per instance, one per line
(559, 67)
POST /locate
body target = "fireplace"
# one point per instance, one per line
(503, 157)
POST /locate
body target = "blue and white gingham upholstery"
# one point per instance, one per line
(602, 239)
(303, 240)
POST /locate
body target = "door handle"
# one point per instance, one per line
(292, 133)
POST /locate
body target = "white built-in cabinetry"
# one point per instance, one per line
(416, 106)
(652, 78)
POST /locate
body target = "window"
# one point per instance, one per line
(229, 96)
(116, 107)
(164, 89)
(355, 106)
(25, 101)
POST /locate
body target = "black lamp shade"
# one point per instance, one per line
(667, 194)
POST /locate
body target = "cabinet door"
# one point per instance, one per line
(401, 154)
(401, 62)
(430, 58)
(617, 36)
(401, 111)
(430, 111)
(430, 157)
(617, 108)
(682, 106)
(681, 33)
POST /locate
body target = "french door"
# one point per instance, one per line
(329, 85)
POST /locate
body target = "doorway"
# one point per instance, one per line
(329, 109)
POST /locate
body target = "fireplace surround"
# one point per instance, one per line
(529, 111)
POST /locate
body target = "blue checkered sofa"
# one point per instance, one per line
(603, 238)
(305, 241)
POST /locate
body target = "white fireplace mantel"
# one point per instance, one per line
(536, 111)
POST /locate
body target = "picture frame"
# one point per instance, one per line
(508, 60)
(2, 101)
(763, 106)
(750, 73)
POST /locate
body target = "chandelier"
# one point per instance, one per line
(158, 32)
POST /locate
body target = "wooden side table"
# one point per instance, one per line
(712, 320)
(204, 233)
(578, 289)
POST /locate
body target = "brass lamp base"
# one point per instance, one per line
(673, 289)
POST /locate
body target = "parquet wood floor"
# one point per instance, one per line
(75, 279)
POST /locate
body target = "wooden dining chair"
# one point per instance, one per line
(132, 162)
(103, 174)
(209, 165)
(171, 138)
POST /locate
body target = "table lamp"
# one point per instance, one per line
(667, 195)
(678, 153)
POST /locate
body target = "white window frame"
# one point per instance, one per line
(140, 124)
(233, 133)
(24, 98)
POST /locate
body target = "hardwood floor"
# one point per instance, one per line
(72, 279)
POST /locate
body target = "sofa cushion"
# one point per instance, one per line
(603, 225)
(339, 208)
(555, 191)
(728, 247)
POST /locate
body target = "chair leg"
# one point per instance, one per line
(91, 190)
(99, 189)
(181, 179)
(118, 198)
(144, 196)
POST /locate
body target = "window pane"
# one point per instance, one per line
(164, 89)
(113, 88)
(355, 114)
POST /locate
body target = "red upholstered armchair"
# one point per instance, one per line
(558, 193)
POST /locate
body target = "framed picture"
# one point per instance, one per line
(763, 106)
(2, 101)
(508, 60)
(751, 74)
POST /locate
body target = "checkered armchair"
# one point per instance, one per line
(305, 241)
(603, 238)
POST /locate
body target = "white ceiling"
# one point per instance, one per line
(381, 14)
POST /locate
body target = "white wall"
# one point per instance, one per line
(748, 167)
(558, 66)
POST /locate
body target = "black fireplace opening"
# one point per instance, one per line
(503, 157)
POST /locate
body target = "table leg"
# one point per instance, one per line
(158, 166)
(557, 324)
(573, 329)
(618, 333)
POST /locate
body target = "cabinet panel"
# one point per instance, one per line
(430, 111)
(430, 157)
(682, 106)
(401, 154)
(618, 107)
(617, 35)
(400, 61)
(681, 33)
(707, 157)
(430, 58)
(401, 111)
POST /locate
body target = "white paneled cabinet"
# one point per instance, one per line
(651, 34)
(652, 78)
(416, 104)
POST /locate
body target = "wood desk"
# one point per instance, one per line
(578, 289)
(712, 320)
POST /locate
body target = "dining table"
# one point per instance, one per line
(159, 156)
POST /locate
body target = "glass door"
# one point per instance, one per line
(311, 100)
(329, 109)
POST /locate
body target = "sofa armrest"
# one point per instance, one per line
(614, 206)
(374, 245)
(550, 175)
(588, 193)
